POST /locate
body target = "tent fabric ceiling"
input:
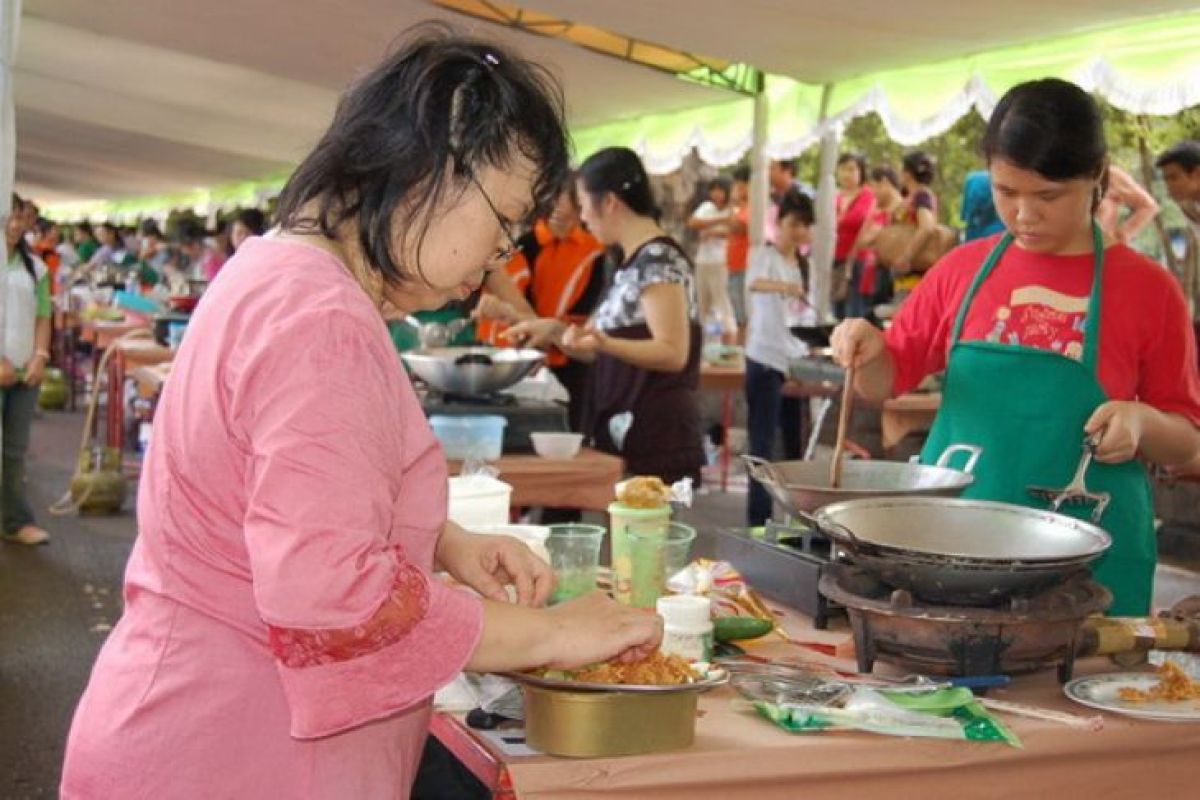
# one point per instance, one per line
(126, 99)
(214, 92)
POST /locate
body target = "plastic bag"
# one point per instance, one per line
(940, 713)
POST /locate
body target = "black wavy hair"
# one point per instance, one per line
(920, 165)
(885, 173)
(1048, 126)
(860, 160)
(796, 203)
(1186, 154)
(420, 125)
(254, 220)
(619, 170)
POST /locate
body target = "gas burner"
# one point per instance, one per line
(1024, 635)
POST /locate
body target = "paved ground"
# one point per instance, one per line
(57, 603)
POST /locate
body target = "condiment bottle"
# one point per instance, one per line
(687, 626)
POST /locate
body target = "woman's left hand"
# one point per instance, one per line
(1117, 425)
(489, 563)
(584, 340)
(35, 370)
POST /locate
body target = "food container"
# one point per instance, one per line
(595, 724)
(621, 517)
(478, 500)
(470, 436)
(556, 446)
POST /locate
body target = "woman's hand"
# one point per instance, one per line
(541, 332)
(492, 307)
(489, 563)
(596, 628)
(583, 340)
(857, 342)
(1116, 427)
(35, 370)
(8, 374)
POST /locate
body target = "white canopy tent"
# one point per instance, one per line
(189, 101)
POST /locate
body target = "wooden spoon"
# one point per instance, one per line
(839, 447)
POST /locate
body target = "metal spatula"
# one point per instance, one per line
(1076, 492)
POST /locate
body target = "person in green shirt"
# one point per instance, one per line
(24, 352)
(85, 241)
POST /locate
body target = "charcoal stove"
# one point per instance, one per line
(524, 416)
(1025, 634)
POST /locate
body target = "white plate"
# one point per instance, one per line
(1101, 691)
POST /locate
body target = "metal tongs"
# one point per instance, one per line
(1076, 492)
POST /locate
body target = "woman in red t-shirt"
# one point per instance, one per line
(855, 203)
(1050, 335)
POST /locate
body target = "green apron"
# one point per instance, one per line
(1026, 409)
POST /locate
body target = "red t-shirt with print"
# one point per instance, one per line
(1147, 345)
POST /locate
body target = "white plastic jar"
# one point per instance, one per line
(687, 626)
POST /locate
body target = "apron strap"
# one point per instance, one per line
(1091, 328)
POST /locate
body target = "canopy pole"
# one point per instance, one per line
(10, 19)
(759, 191)
(823, 240)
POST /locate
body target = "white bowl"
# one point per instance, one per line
(557, 446)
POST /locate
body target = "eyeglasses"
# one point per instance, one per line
(504, 254)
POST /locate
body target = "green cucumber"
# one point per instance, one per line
(729, 629)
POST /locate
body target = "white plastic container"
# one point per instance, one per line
(478, 500)
(687, 626)
(534, 536)
(470, 436)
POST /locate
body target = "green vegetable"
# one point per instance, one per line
(728, 629)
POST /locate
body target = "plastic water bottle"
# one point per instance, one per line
(714, 335)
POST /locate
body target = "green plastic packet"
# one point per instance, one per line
(951, 713)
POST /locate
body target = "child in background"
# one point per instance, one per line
(775, 302)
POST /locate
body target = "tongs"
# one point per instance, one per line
(1076, 492)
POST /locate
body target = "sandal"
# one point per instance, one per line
(29, 535)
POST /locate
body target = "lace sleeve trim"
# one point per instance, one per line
(406, 605)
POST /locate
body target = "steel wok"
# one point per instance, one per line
(472, 371)
(961, 552)
(804, 485)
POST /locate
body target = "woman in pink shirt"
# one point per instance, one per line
(283, 631)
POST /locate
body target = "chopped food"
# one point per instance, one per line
(644, 491)
(659, 669)
(1173, 685)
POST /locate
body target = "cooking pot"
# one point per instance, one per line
(472, 371)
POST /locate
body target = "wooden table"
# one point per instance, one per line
(907, 414)
(584, 482)
(728, 378)
(737, 754)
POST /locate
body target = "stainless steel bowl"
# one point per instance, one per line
(472, 371)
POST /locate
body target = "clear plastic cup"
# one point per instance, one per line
(656, 553)
(574, 555)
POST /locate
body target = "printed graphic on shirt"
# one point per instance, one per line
(1042, 318)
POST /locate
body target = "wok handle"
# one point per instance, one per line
(764, 472)
(974, 452)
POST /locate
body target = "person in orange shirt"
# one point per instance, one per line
(559, 268)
